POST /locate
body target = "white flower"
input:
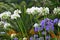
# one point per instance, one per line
(12, 35)
(1, 22)
(15, 16)
(17, 11)
(56, 10)
(36, 25)
(24, 38)
(28, 11)
(46, 10)
(36, 10)
(6, 25)
(5, 15)
(59, 24)
(33, 10)
(40, 9)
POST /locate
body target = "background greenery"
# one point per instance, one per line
(14, 4)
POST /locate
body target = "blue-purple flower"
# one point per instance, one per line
(47, 37)
(36, 27)
(15, 38)
(47, 24)
(40, 28)
(31, 38)
(42, 23)
(43, 33)
(35, 36)
(56, 20)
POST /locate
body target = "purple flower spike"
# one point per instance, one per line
(47, 28)
(56, 20)
(42, 23)
(36, 29)
(51, 21)
(15, 38)
(47, 24)
(52, 28)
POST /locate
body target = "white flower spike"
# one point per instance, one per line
(5, 15)
(6, 25)
(36, 25)
(15, 16)
(17, 11)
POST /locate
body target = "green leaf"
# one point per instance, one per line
(54, 39)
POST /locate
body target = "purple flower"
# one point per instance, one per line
(40, 28)
(31, 38)
(42, 23)
(47, 28)
(35, 36)
(59, 20)
(36, 29)
(56, 20)
(47, 19)
(51, 21)
(15, 38)
(47, 24)
(43, 33)
(47, 37)
(52, 29)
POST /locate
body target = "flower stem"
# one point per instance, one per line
(24, 28)
(20, 27)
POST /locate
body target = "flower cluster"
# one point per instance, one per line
(5, 24)
(56, 10)
(57, 21)
(46, 24)
(5, 15)
(8, 14)
(36, 10)
(16, 14)
(36, 37)
(44, 27)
